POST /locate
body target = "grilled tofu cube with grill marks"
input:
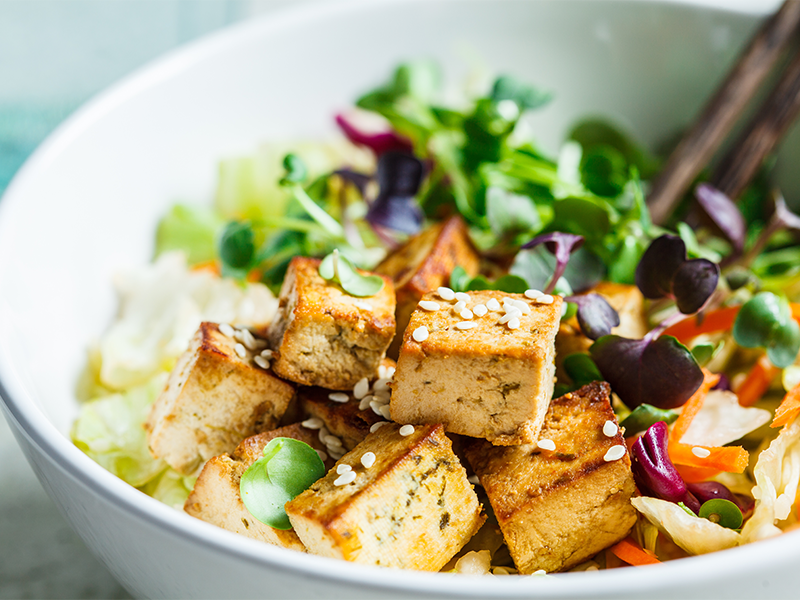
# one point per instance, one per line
(627, 300)
(325, 337)
(423, 264)
(212, 401)
(490, 381)
(556, 509)
(412, 509)
(344, 420)
(216, 498)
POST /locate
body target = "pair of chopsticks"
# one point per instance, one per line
(712, 126)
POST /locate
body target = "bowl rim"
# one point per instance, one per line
(29, 421)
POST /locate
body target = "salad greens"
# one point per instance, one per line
(338, 269)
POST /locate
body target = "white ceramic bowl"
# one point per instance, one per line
(87, 202)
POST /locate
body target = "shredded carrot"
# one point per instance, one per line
(757, 381)
(210, 266)
(721, 319)
(693, 406)
(789, 408)
(696, 474)
(731, 459)
(632, 553)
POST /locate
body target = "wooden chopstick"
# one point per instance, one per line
(765, 130)
(723, 110)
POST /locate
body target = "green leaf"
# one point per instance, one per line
(581, 216)
(765, 321)
(703, 353)
(191, 229)
(643, 416)
(296, 171)
(338, 268)
(328, 223)
(459, 279)
(237, 247)
(581, 369)
(526, 96)
(511, 284)
(784, 344)
(591, 133)
(604, 171)
(509, 213)
(287, 468)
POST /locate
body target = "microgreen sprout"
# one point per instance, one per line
(725, 214)
(561, 245)
(337, 268)
(643, 416)
(399, 176)
(287, 468)
(596, 316)
(460, 281)
(765, 321)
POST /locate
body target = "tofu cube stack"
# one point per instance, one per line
(562, 500)
(399, 499)
(216, 396)
(482, 363)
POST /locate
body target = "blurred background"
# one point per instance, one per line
(55, 55)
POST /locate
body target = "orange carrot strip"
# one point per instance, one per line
(211, 266)
(630, 552)
(789, 408)
(717, 320)
(757, 381)
(731, 459)
(693, 406)
(696, 474)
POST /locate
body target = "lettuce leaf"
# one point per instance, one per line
(723, 420)
(777, 474)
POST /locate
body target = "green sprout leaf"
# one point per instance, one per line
(338, 268)
(459, 279)
(765, 321)
(703, 353)
(643, 416)
(722, 512)
(237, 248)
(287, 468)
(581, 369)
(296, 171)
(526, 96)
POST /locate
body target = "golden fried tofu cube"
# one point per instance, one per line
(424, 263)
(345, 420)
(556, 508)
(216, 498)
(478, 376)
(413, 508)
(627, 300)
(214, 398)
(322, 335)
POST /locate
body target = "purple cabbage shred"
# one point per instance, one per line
(379, 143)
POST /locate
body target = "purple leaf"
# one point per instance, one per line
(379, 143)
(724, 213)
(693, 284)
(653, 470)
(664, 272)
(660, 372)
(723, 384)
(786, 217)
(595, 315)
(399, 178)
(561, 245)
(359, 180)
(658, 265)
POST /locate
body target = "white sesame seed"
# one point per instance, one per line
(382, 372)
(381, 385)
(390, 372)
(462, 296)
(523, 306)
(701, 452)
(226, 329)
(266, 353)
(480, 309)
(420, 334)
(493, 304)
(261, 361)
(464, 325)
(592, 568)
(386, 412)
(474, 480)
(382, 396)
(445, 293)
(512, 314)
(406, 430)
(332, 440)
(465, 314)
(343, 468)
(368, 459)
(323, 457)
(459, 306)
(513, 323)
(533, 294)
(361, 388)
(339, 397)
(322, 433)
(376, 407)
(610, 429)
(346, 478)
(540, 572)
(237, 335)
(615, 453)
(545, 444)
(240, 351)
(248, 340)
(546, 299)
(429, 305)
(365, 402)
(312, 423)
(336, 455)
(362, 305)
(375, 426)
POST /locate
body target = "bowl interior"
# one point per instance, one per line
(86, 204)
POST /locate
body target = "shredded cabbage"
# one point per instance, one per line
(777, 474)
(161, 306)
(693, 534)
(722, 420)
